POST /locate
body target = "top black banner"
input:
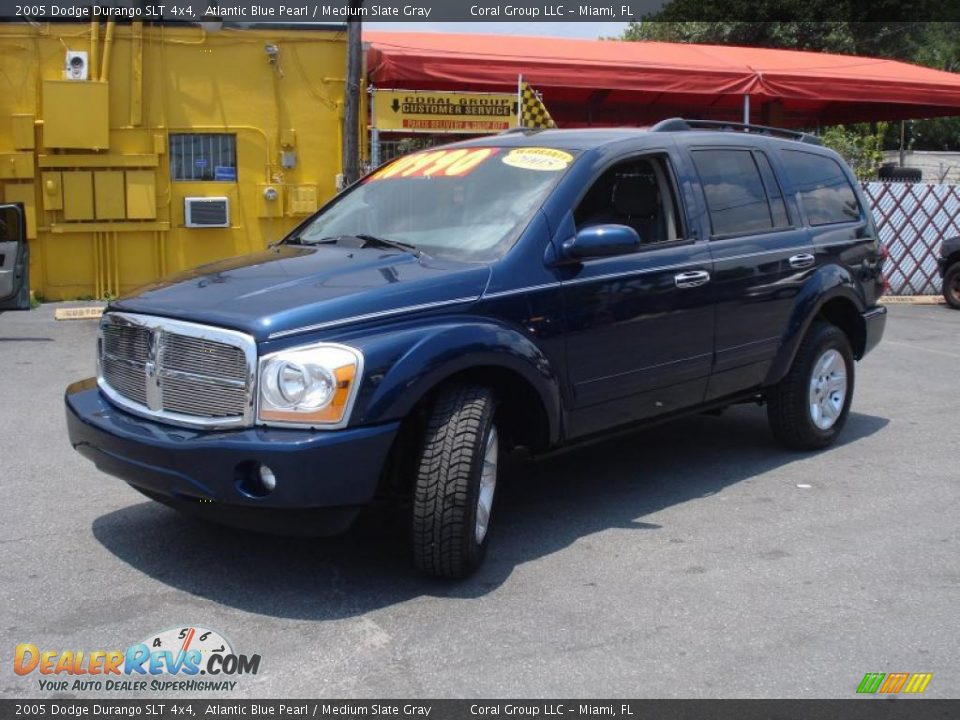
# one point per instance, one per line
(292, 12)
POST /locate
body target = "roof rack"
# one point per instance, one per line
(681, 124)
(525, 130)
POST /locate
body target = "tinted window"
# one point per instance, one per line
(778, 209)
(824, 189)
(9, 225)
(735, 194)
(637, 193)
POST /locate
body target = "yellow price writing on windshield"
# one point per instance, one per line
(436, 163)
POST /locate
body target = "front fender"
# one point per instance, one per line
(827, 283)
(404, 366)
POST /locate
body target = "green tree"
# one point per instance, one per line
(861, 145)
(884, 29)
(898, 40)
(941, 50)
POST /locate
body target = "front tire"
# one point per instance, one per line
(951, 286)
(455, 483)
(809, 407)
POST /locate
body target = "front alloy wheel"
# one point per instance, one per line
(488, 484)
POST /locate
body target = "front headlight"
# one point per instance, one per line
(313, 385)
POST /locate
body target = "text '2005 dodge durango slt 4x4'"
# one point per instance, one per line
(529, 289)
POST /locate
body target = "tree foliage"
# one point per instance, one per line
(861, 145)
(884, 29)
(877, 39)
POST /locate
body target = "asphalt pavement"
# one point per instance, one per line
(695, 559)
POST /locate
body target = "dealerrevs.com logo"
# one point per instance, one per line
(172, 660)
(893, 683)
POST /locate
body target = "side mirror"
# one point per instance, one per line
(601, 241)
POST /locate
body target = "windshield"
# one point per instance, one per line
(465, 203)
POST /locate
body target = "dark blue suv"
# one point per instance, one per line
(532, 289)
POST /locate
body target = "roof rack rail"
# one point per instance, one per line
(514, 130)
(680, 124)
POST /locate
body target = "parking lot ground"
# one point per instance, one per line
(696, 559)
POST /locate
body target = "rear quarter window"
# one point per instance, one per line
(825, 191)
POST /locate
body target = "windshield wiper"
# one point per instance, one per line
(367, 240)
(387, 243)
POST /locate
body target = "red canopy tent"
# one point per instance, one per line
(606, 82)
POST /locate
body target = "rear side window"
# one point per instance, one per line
(825, 192)
(736, 196)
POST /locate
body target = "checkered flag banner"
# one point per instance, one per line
(532, 113)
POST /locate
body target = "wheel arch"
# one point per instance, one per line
(948, 262)
(522, 414)
(482, 353)
(829, 297)
(843, 313)
(950, 252)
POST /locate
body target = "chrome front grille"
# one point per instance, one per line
(127, 341)
(127, 378)
(202, 397)
(203, 357)
(179, 372)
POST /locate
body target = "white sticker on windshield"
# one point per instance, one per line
(544, 159)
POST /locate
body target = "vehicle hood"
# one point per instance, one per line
(290, 287)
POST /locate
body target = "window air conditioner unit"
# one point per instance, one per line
(202, 212)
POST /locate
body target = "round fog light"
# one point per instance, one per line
(254, 479)
(267, 478)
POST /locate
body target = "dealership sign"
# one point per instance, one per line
(426, 111)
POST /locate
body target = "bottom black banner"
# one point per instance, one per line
(865, 709)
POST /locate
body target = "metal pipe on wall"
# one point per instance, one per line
(115, 254)
(97, 285)
(136, 74)
(107, 44)
(94, 48)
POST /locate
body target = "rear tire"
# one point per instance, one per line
(809, 407)
(455, 483)
(951, 286)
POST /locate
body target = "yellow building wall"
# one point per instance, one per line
(104, 220)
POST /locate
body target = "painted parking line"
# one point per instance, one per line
(913, 346)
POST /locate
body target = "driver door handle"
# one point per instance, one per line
(692, 279)
(803, 260)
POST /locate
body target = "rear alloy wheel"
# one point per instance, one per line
(809, 407)
(828, 389)
(951, 286)
(456, 482)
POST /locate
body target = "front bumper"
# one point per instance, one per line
(323, 477)
(874, 322)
